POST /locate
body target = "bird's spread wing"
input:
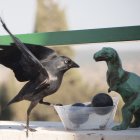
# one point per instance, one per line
(24, 61)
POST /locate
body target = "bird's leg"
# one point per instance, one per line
(32, 105)
(45, 103)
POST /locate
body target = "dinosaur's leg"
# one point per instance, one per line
(136, 122)
(127, 117)
(127, 113)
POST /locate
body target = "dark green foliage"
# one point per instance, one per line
(6, 114)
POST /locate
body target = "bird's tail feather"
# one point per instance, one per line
(14, 100)
(5, 27)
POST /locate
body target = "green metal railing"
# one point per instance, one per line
(128, 33)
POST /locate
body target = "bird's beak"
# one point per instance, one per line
(74, 65)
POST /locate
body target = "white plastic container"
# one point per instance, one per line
(86, 118)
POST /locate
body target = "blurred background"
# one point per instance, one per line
(79, 85)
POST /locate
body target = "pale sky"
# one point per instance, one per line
(81, 14)
(89, 14)
(19, 15)
(86, 14)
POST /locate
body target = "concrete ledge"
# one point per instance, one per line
(55, 131)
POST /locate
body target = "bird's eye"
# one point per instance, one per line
(67, 61)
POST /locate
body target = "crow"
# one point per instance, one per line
(41, 67)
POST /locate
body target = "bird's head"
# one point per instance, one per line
(64, 63)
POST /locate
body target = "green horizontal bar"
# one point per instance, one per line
(128, 33)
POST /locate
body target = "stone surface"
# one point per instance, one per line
(55, 131)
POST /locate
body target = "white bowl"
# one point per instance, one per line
(87, 118)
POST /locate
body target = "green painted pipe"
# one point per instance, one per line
(128, 33)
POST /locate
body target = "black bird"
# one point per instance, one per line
(42, 67)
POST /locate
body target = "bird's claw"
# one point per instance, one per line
(32, 129)
(59, 104)
(52, 105)
(29, 128)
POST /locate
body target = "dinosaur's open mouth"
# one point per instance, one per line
(99, 58)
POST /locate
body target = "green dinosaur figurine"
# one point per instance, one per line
(127, 84)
